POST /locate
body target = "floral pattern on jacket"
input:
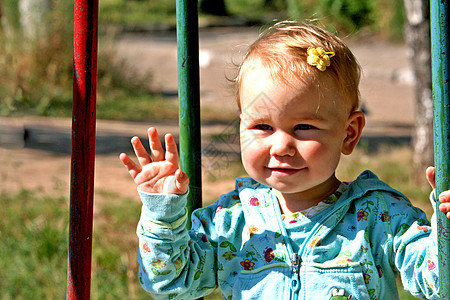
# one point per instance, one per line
(359, 243)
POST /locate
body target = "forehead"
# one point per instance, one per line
(263, 93)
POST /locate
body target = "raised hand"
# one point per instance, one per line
(157, 172)
(444, 197)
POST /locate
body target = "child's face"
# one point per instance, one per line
(292, 136)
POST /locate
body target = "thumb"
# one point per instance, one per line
(181, 181)
(177, 183)
(430, 172)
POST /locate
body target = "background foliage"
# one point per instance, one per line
(382, 17)
(36, 73)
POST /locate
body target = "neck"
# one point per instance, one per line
(294, 202)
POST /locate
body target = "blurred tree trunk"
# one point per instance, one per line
(213, 7)
(417, 34)
(32, 17)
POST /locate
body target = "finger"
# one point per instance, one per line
(445, 208)
(430, 172)
(171, 150)
(181, 181)
(444, 197)
(132, 168)
(140, 151)
(155, 145)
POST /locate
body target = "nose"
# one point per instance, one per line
(282, 144)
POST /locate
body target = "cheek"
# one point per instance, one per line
(246, 140)
(251, 151)
(251, 144)
(249, 162)
(311, 149)
(253, 154)
(320, 153)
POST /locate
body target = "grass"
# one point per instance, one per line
(33, 246)
(136, 12)
(34, 242)
(34, 230)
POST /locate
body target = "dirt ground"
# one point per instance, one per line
(386, 90)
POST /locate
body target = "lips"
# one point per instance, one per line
(283, 171)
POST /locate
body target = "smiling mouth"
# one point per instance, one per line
(283, 171)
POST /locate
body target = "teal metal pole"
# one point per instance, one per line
(441, 107)
(189, 99)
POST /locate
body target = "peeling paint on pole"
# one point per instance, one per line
(83, 148)
(441, 107)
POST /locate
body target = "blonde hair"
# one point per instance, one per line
(282, 49)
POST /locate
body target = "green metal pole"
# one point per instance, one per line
(441, 107)
(189, 99)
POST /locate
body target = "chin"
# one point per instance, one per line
(286, 188)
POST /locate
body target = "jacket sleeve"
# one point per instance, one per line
(414, 249)
(173, 262)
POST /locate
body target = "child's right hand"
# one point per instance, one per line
(158, 172)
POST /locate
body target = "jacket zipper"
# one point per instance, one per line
(295, 280)
(295, 257)
(296, 261)
(294, 283)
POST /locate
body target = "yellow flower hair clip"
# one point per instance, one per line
(319, 58)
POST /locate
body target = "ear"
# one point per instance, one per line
(355, 125)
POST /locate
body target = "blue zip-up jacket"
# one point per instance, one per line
(354, 247)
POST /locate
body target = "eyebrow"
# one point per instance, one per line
(311, 117)
(255, 118)
(301, 118)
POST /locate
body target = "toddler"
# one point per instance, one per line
(293, 230)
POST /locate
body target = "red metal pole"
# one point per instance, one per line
(83, 149)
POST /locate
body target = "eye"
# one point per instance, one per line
(304, 127)
(262, 127)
